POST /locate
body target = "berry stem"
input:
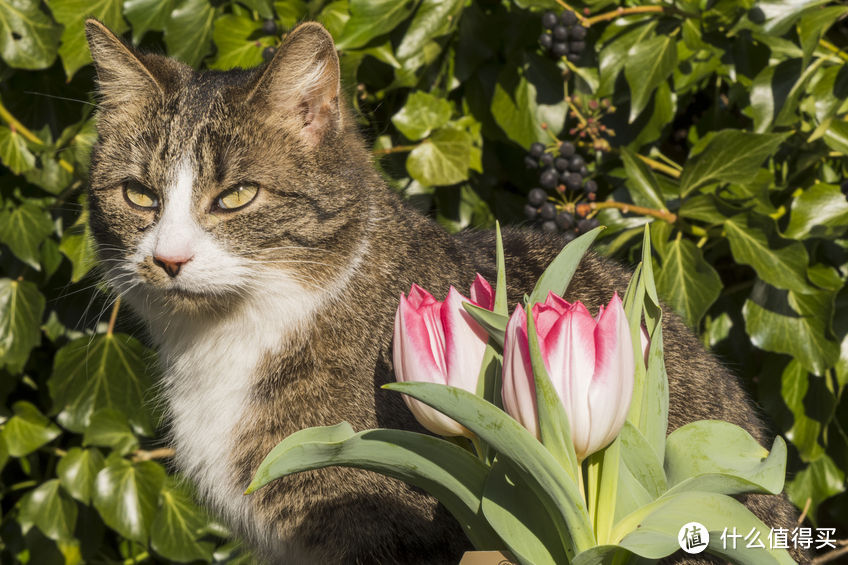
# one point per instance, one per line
(114, 316)
(831, 47)
(395, 149)
(577, 13)
(662, 167)
(584, 208)
(636, 10)
(17, 126)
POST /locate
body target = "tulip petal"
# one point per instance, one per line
(612, 382)
(435, 421)
(419, 297)
(465, 343)
(419, 343)
(481, 293)
(518, 388)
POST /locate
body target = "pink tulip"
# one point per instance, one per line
(439, 342)
(589, 361)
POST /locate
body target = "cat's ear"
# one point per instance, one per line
(301, 83)
(122, 77)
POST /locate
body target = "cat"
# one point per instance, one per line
(240, 216)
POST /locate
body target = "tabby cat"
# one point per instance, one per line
(240, 216)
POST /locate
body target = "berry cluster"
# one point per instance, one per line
(565, 172)
(563, 35)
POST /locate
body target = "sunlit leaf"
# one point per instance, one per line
(178, 526)
(21, 309)
(50, 509)
(72, 14)
(28, 37)
(77, 470)
(27, 430)
(127, 494)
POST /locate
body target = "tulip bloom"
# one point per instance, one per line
(590, 364)
(439, 342)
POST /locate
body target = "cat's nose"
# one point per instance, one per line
(171, 265)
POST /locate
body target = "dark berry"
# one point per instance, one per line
(268, 53)
(568, 18)
(537, 149)
(576, 162)
(573, 57)
(549, 227)
(561, 164)
(587, 224)
(591, 187)
(530, 212)
(548, 211)
(548, 178)
(584, 171)
(531, 162)
(569, 236)
(269, 27)
(546, 40)
(573, 181)
(844, 187)
(576, 47)
(567, 149)
(578, 33)
(549, 20)
(547, 159)
(537, 197)
(564, 220)
(560, 33)
(559, 49)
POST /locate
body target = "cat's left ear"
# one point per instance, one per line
(301, 83)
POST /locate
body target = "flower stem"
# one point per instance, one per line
(580, 484)
(114, 316)
(586, 207)
(395, 149)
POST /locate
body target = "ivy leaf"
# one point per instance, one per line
(264, 8)
(421, 114)
(644, 186)
(234, 48)
(77, 471)
(14, 151)
(442, 159)
(146, 15)
(836, 136)
(818, 482)
(104, 371)
(28, 430)
(370, 18)
(433, 19)
(729, 156)
(804, 433)
(648, 64)
(177, 527)
(687, 281)
(28, 37)
(109, 428)
(23, 229)
(72, 14)
(21, 309)
(50, 509)
(782, 264)
(78, 246)
(126, 496)
(819, 211)
(188, 32)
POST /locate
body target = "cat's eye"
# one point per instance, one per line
(237, 197)
(140, 196)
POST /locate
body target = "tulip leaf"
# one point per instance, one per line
(534, 465)
(558, 274)
(642, 462)
(513, 511)
(448, 472)
(716, 456)
(603, 555)
(501, 299)
(493, 323)
(652, 531)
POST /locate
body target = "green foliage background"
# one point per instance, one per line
(730, 129)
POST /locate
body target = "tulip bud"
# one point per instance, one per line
(439, 342)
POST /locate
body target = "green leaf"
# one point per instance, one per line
(72, 14)
(78, 246)
(648, 64)
(422, 114)
(642, 183)
(433, 19)
(77, 471)
(614, 54)
(641, 461)
(513, 511)
(147, 15)
(494, 324)
(188, 32)
(109, 428)
(814, 24)
(178, 526)
(28, 37)
(793, 324)
(819, 211)
(687, 282)
(442, 159)
(50, 510)
(14, 152)
(265, 8)
(290, 12)
(558, 274)
(776, 91)
(235, 49)
(448, 472)
(371, 18)
(104, 371)
(23, 229)
(782, 264)
(818, 482)
(27, 430)
(21, 309)
(805, 430)
(716, 456)
(836, 136)
(730, 156)
(126, 495)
